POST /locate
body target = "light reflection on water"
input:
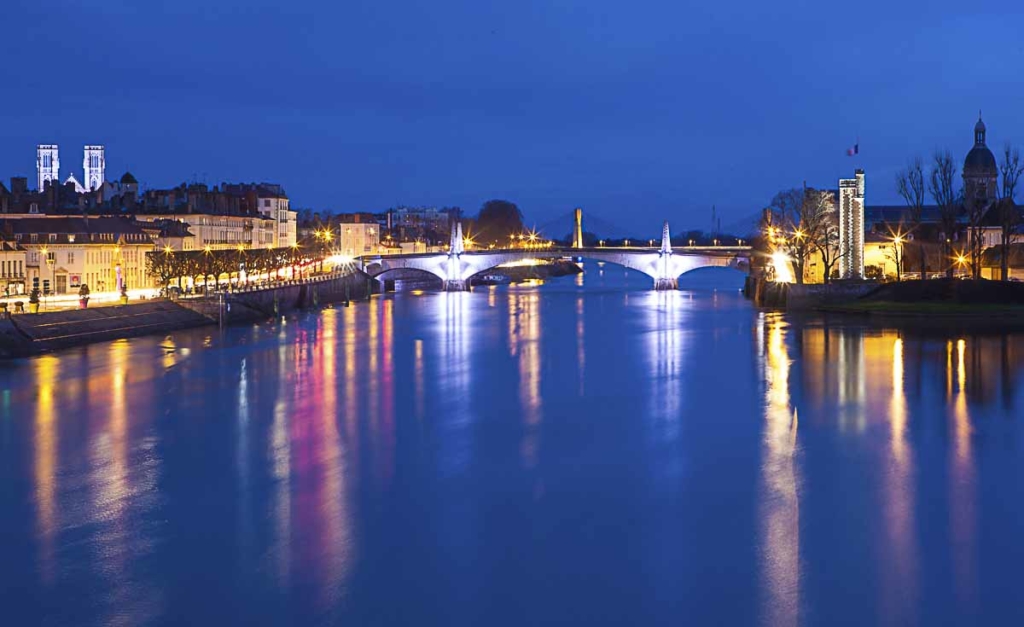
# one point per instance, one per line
(780, 479)
(575, 452)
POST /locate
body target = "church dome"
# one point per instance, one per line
(128, 179)
(981, 160)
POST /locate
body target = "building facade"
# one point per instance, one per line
(221, 232)
(12, 267)
(64, 253)
(357, 239)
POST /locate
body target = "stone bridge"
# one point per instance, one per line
(455, 267)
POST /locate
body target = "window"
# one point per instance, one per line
(34, 238)
(266, 203)
(71, 257)
(53, 237)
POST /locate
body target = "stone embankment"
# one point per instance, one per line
(800, 297)
(30, 334)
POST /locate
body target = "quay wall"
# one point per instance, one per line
(803, 297)
(31, 334)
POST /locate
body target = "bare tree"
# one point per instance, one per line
(895, 254)
(1009, 217)
(910, 185)
(942, 186)
(828, 245)
(976, 207)
(798, 217)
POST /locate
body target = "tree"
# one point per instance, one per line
(798, 219)
(895, 254)
(498, 220)
(160, 264)
(910, 186)
(942, 186)
(828, 245)
(1009, 216)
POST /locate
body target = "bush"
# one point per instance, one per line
(33, 296)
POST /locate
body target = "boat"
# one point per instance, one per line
(494, 279)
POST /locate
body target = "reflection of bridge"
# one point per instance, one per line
(456, 266)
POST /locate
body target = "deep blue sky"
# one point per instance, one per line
(637, 111)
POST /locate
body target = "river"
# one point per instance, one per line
(580, 452)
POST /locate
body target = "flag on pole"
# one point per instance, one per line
(853, 151)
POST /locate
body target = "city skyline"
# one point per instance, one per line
(633, 114)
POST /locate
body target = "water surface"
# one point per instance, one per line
(581, 452)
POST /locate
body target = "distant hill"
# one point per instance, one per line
(744, 227)
(562, 227)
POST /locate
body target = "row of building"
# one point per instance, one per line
(67, 233)
(869, 233)
(62, 235)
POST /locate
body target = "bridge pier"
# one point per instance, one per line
(664, 285)
(456, 285)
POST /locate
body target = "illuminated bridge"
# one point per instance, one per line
(455, 267)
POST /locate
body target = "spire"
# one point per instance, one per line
(577, 229)
(457, 247)
(979, 131)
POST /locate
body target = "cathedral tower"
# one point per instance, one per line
(94, 167)
(47, 164)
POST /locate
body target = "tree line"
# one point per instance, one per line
(940, 184)
(212, 265)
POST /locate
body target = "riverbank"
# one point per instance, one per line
(33, 334)
(24, 335)
(939, 298)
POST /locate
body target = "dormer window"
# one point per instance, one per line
(34, 238)
(53, 237)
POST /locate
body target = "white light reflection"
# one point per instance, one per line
(244, 541)
(454, 335)
(581, 353)
(525, 336)
(666, 340)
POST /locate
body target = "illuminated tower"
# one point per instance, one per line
(577, 229)
(47, 164)
(851, 226)
(94, 165)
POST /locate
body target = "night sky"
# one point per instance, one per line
(637, 111)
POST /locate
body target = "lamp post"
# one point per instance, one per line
(49, 262)
(897, 253)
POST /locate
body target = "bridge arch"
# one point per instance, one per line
(663, 266)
